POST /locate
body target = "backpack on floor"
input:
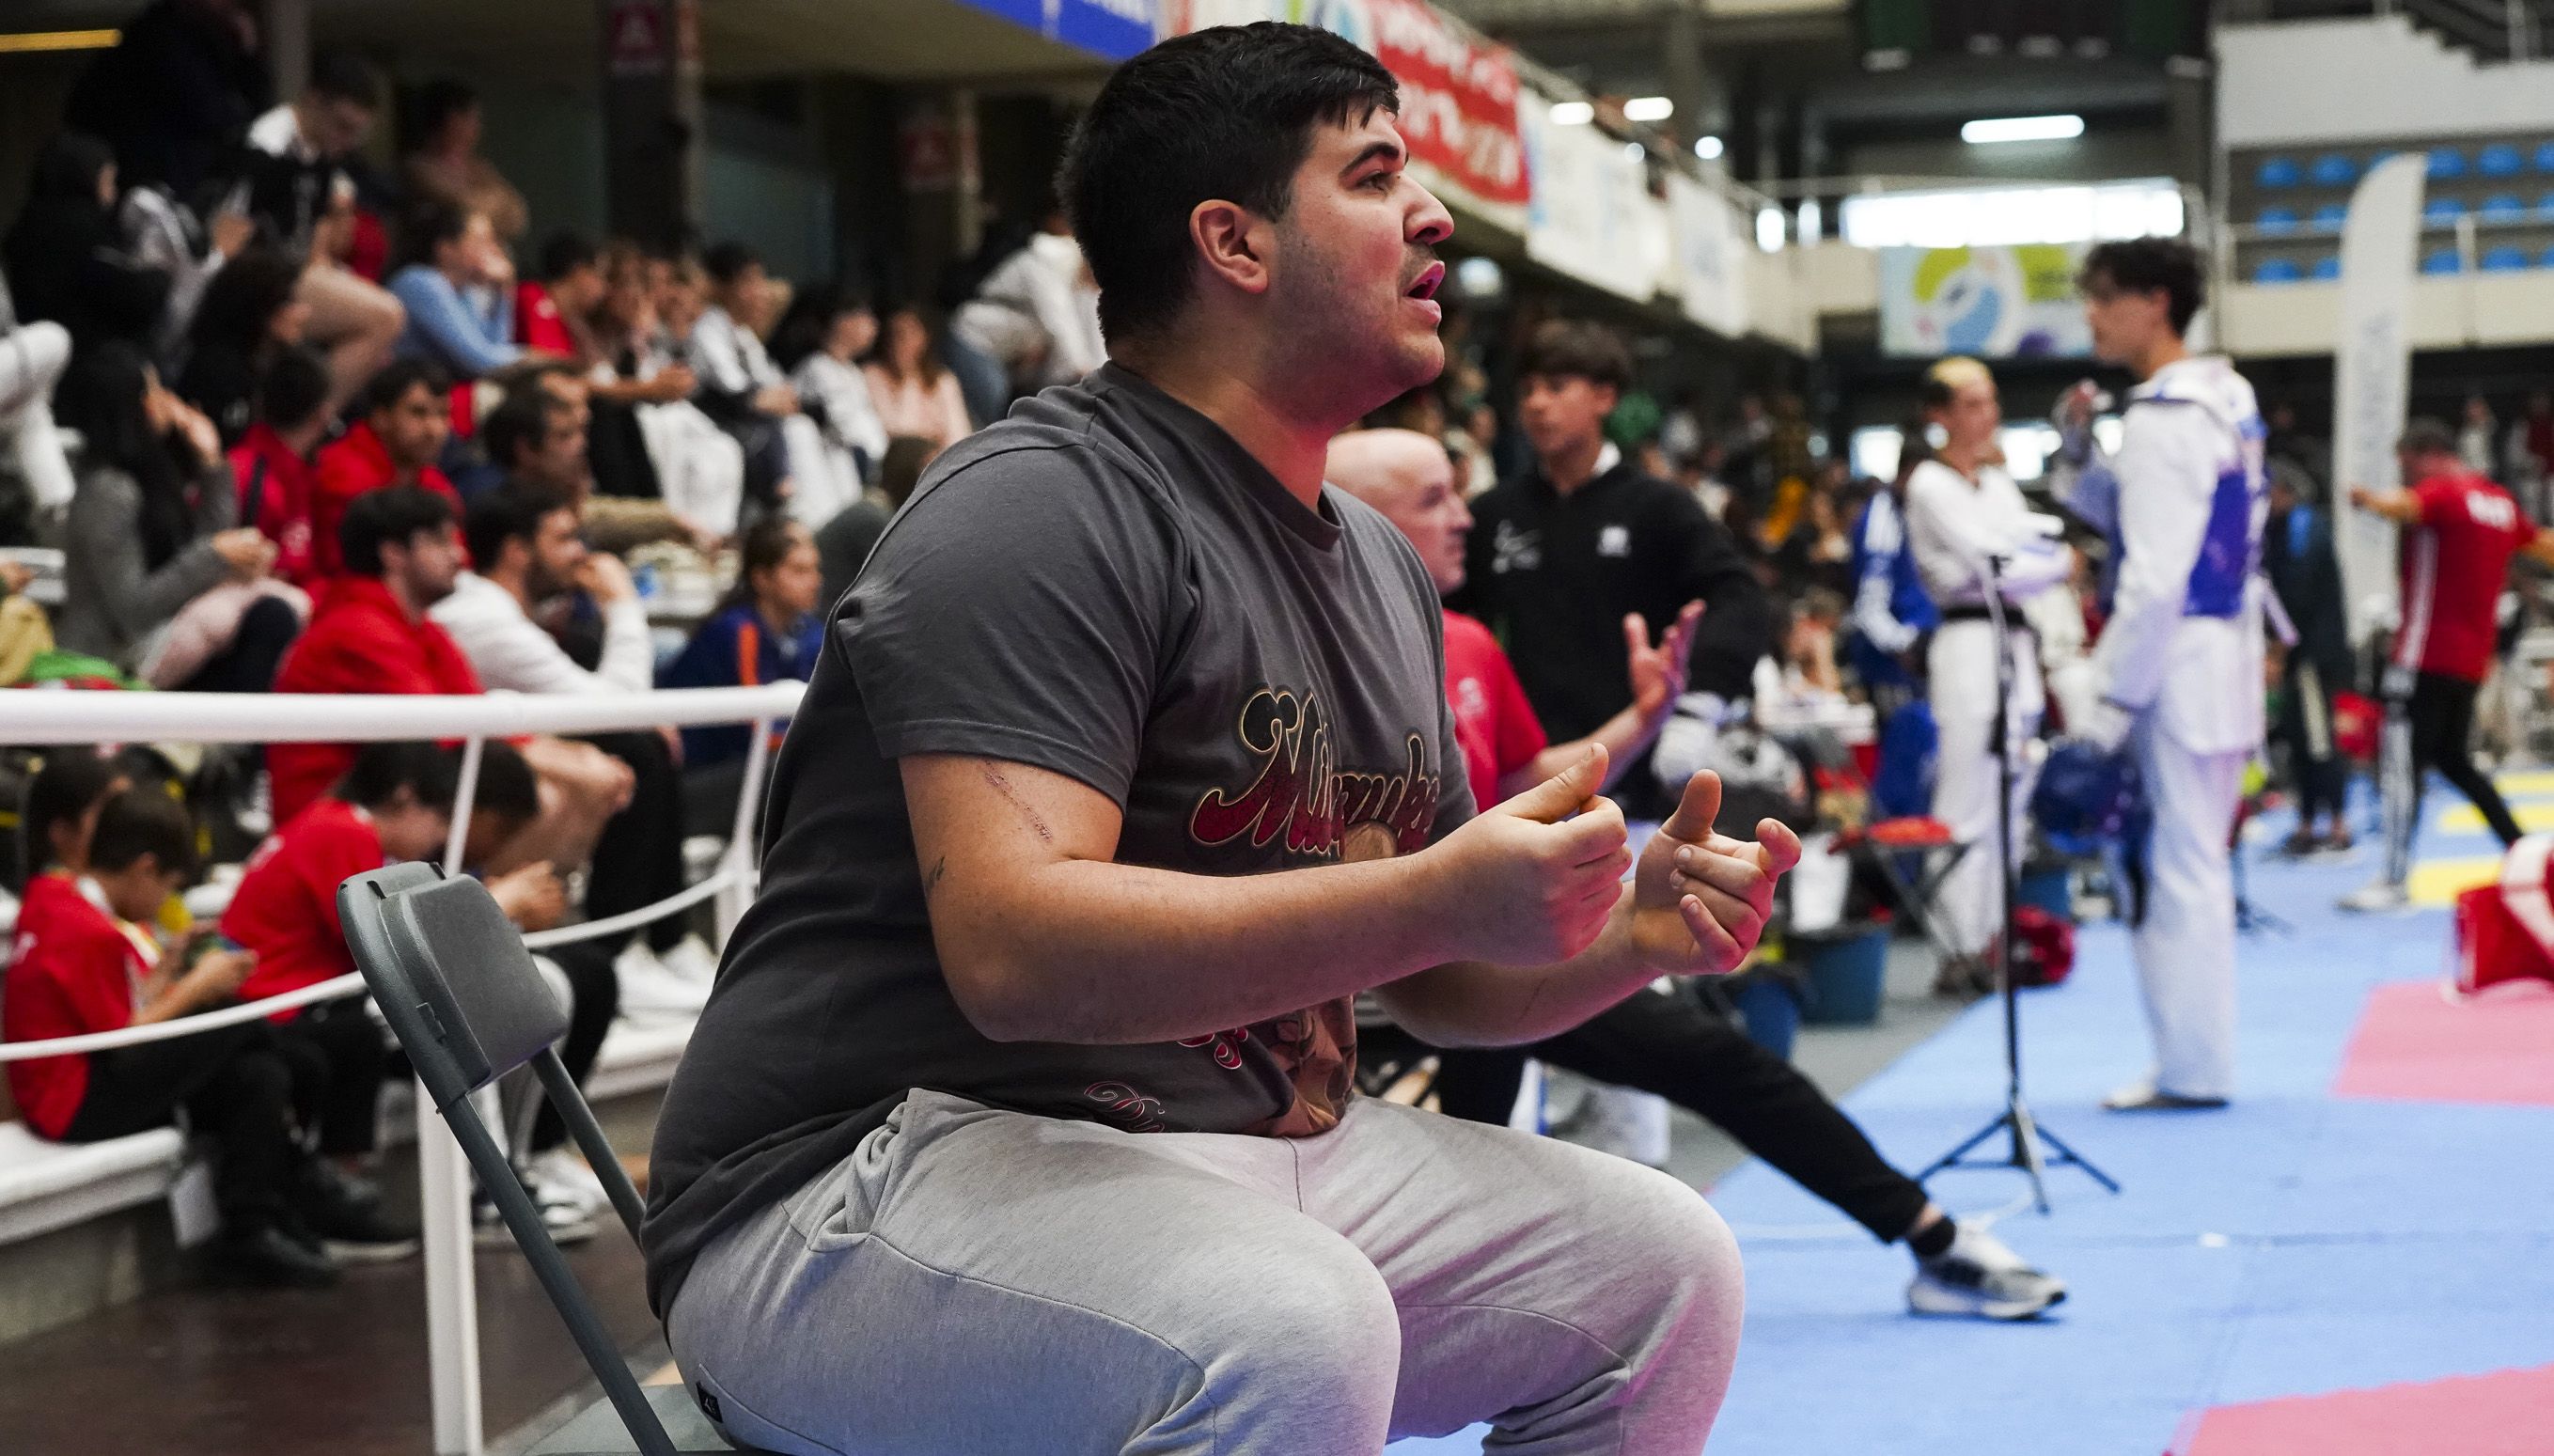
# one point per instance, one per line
(2506, 930)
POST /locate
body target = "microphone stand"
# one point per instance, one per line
(2024, 1149)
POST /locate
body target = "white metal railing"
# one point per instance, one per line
(40, 716)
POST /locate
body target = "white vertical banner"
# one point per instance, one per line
(2373, 379)
(1711, 248)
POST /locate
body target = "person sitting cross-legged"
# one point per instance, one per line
(1659, 1041)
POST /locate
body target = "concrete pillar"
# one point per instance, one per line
(940, 173)
(283, 29)
(653, 133)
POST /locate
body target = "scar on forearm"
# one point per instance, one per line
(1002, 786)
(931, 881)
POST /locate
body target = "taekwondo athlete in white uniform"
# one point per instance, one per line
(2179, 662)
(1968, 526)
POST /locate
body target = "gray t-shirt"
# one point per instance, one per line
(1108, 585)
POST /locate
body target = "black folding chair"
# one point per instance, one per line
(453, 980)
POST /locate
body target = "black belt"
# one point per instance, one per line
(2011, 616)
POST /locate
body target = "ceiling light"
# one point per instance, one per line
(26, 41)
(1769, 229)
(2022, 129)
(1572, 113)
(1708, 149)
(1649, 108)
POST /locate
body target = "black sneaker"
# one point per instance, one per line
(351, 1219)
(266, 1258)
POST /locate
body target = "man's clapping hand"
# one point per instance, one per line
(1700, 899)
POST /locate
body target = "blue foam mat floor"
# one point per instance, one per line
(2295, 1243)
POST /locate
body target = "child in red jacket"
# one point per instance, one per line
(84, 961)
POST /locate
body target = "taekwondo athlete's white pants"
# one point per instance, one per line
(1962, 671)
(2184, 944)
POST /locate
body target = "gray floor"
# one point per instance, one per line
(1836, 1057)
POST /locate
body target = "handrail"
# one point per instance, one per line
(43, 716)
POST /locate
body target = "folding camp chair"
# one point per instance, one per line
(453, 980)
(1885, 848)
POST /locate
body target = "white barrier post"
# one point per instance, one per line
(740, 860)
(443, 1177)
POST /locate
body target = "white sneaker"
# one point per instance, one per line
(561, 1176)
(691, 960)
(561, 1219)
(1623, 1122)
(1978, 1277)
(652, 990)
(2378, 897)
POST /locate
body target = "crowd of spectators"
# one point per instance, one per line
(302, 422)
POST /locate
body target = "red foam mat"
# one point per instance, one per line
(2510, 1412)
(2414, 1045)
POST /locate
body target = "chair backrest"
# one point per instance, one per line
(452, 979)
(451, 974)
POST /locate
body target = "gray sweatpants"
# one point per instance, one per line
(974, 1281)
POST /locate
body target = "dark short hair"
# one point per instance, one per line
(343, 75)
(513, 512)
(2426, 434)
(2168, 265)
(294, 388)
(430, 771)
(390, 515)
(139, 822)
(563, 253)
(521, 420)
(726, 262)
(506, 787)
(907, 456)
(71, 781)
(440, 101)
(386, 389)
(430, 223)
(1573, 348)
(1226, 113)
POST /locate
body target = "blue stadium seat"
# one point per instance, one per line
(2334, 169)
(2442, 213)
(2278, 172)
(2446, 164)
(2503, 207)
(2545, 157)
(2545, 208)
(2329, 217)
(2545, 258)
(2276, 220)
(2503, 260)
(2276, 271)
(2326, 269)
(2443, 259)
(2500, 160)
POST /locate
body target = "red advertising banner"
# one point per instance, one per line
(1459, 100)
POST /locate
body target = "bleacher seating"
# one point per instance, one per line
(2501, 159)
(2545, 157)
(2502, 207)
(2277, 270)
(2442, 261)
(2330, 217)
(2503, 260)
(2327, 268)
(46, 1186)
(2334, 169)
(2447, 164)
(2442, 213)
(2276, 220)
(2278, 171)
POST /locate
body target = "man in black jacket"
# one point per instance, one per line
(2297, 556)
(1561, 554)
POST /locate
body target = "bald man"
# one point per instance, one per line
(1659, 1041)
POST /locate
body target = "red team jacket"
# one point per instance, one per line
(358, 641)
(285, 906)
(2454, 566)
(277, 487)
(72, 971)
(1493, 722)
(357, 463)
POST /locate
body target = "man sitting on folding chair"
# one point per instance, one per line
(1021, 1117)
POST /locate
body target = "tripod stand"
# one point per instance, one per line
(2027, 1138)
